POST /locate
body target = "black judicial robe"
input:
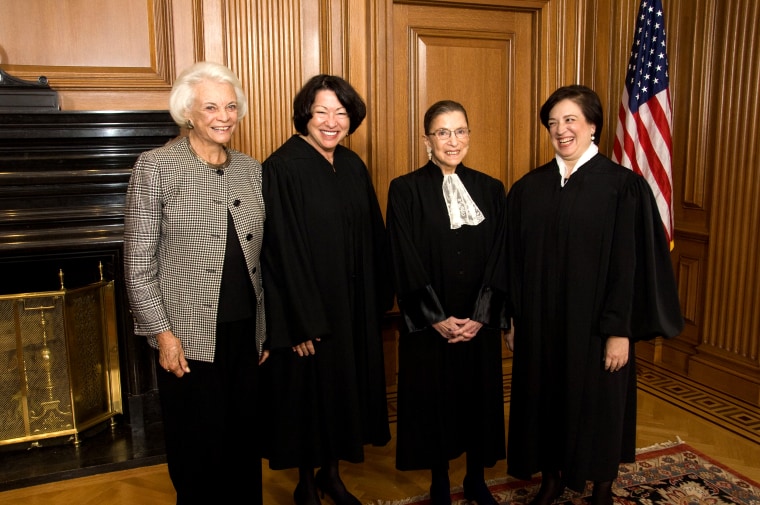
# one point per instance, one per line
(450, 396)
(326, 275)
(586, 261)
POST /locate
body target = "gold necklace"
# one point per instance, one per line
(213, 166)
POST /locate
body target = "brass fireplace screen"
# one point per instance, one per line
(59, 370)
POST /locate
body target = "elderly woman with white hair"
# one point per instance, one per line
(194, 222)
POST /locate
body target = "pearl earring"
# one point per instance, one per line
(430, 154)
(592, 137)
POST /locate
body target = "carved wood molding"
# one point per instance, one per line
(158, 76)
(733, 303)
(262, 38)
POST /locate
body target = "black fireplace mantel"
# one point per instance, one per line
(63, 175)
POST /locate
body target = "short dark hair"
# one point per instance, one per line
(442, 107)
(346, 94)
(587, 100)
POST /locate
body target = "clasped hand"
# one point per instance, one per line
(457, 330)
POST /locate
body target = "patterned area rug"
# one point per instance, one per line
(668, 474)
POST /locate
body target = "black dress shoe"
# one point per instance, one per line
(440, 491)
(552, 486)
(476, 490)
(305, 495)
(333, 487)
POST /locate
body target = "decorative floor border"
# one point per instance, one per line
(730, 413)
(715, 406)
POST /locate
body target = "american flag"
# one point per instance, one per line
(643, 140)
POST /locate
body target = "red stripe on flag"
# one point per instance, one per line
(648, 162)
(656, 143)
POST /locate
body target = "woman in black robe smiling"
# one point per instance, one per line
(590, 274)
(446, 227)
(325, 271)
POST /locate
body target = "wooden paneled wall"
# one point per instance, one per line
(402, 54)
(723, 184)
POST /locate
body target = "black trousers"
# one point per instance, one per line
(211, 422)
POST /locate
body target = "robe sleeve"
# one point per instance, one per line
(514, 250)
(295, 312)
(381, 251)
(417, 300)
(642, 295)
(491, 305)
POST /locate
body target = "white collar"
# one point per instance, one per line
(592, 150)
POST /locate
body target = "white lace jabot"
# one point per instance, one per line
(462, 209)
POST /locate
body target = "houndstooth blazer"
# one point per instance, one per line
(175, 231)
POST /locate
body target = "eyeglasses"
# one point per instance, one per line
(445, 134)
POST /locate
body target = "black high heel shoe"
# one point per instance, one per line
(305, 495)
(552, 486)
(477, 490)
(334, 488)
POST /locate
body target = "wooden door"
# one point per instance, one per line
(487, 59)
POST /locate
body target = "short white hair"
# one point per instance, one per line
(182, 96)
